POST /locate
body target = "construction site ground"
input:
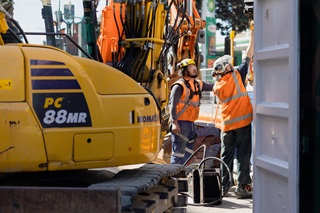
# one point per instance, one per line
(230, 203)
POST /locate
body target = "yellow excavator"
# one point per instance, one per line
(63, 117)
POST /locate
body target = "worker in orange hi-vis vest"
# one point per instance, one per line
(184, 106)
(236, 114)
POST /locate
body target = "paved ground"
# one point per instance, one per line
(229, 204)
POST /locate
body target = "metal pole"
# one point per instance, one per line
(232, 35)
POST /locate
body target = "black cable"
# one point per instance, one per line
(143, 65)
(152, 24)
(139, 63)
(116, 55)
(148, 20)
(124, 23)
(132, 19)
(143, 7)
(14, 35)
(200, 167)
(165, 38)
(20, 29)
(151, 34)
(173, 31)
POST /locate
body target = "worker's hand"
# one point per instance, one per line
(175, 128)
(252, 34)
(250, 48)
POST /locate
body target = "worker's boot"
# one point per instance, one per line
(243, 191)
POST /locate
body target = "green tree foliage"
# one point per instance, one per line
(230, 16)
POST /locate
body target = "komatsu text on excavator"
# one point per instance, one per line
(63, 117)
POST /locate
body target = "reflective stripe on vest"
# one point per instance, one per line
(191, 111)
(236, 108)
(238, 90)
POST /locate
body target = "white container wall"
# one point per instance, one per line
(276, 106)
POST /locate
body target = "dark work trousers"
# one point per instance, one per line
(236, 142)
(182, 149)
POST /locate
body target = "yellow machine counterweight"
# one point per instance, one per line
(72, 112)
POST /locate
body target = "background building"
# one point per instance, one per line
(214, 46)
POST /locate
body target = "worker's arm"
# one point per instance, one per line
(243, 68)
(207, 87)
(175, 95)
(249, 51)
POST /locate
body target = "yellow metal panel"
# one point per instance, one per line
(123, 113)
(59, 144)
(21, 144)
(98, 146)
(132, 145)
(3, 24)
(12, 75)
(108, 80)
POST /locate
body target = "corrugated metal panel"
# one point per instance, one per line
(276, 106)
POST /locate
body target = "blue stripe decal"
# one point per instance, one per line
(55, 84)
(51, 72)
(45, 62)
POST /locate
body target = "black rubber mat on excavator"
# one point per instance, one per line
(131, 182)
(141, 179)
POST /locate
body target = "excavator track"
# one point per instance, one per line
(149, 188)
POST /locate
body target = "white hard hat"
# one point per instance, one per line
(219, 66)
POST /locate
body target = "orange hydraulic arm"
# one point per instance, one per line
(111, 33)
(184, 33)
(131, 40)
(188, 22)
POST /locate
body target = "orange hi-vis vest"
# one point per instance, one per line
(235, 106)
(191, 111)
